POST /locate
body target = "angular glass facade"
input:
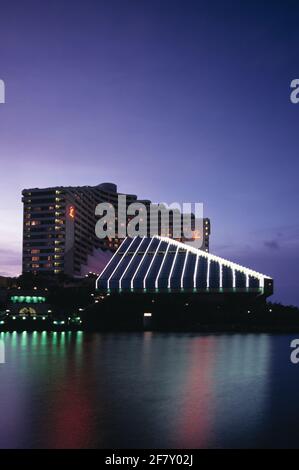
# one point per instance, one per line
(160, 264)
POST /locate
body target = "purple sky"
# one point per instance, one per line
(172, 100)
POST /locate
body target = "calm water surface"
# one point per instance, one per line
(148, 390)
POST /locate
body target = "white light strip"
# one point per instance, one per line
(172, 268)
(208, 274)
(183, 272)
(136, 251)
(145, 277)
(234, 278)
(161, 267)
(108, 282)
(211, 257)
(247, 280)
(220, 275)
(107, 265)
(137, 269)
(195, 271)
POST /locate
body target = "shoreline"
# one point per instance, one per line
(200, 330)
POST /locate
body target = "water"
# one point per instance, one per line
(148, 390)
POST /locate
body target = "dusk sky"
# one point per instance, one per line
(173, 101)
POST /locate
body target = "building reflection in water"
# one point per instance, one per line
(158, 390)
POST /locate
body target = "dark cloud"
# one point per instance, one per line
(272, 244)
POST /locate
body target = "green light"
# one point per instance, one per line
(28, 299)
(44, 338)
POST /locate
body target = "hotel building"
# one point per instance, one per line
(59, 228)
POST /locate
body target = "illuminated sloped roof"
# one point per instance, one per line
(160, 263)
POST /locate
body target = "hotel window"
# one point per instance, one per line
(35, 266)
(35, 252)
